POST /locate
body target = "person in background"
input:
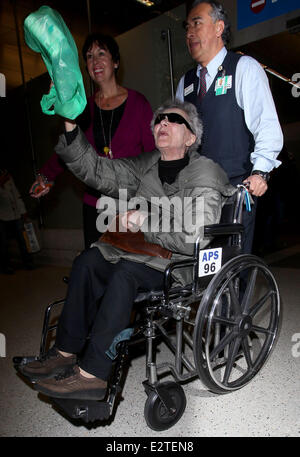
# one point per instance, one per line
(232, 95)
(118, 123)
(12, 217)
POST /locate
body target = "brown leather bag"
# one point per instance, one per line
(133, 242)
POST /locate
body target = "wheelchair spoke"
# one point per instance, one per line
(222, 320)
(260, 303)
(234, 299)
(258, 329)
(222, 344)
(246, 349)
(249, 291)
(231, 360)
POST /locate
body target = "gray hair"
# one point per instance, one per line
(218, 13)
(192, 115)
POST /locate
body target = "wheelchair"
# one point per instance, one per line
(220, 328)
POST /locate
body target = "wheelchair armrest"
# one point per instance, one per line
(154, 295)
(172, 266)
(223, 229)
(209, 230)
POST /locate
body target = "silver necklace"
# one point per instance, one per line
(107, 149)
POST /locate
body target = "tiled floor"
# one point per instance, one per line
(267, 406)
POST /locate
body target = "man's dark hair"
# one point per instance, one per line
(218, 13)
(103, 41)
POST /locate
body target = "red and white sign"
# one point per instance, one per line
(257, 5)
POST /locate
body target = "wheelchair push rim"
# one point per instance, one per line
(236, 326)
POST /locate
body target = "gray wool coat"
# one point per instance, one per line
(179, 210)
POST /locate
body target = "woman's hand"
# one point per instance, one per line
(40, 187)
(70, 125)
(133, 220)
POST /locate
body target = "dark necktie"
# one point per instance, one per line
(202, 90)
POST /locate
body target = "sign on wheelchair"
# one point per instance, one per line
(210, 261)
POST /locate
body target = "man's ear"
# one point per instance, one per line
(220, 28)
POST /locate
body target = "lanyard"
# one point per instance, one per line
(246, 197)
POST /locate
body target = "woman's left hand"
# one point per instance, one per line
(70, 125)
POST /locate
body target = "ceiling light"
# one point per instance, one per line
(146, 2)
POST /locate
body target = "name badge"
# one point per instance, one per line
(222, 84)
(188, 89)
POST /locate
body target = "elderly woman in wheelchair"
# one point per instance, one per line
(153, 252)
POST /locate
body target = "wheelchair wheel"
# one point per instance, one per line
(156, 414)
(236, 324)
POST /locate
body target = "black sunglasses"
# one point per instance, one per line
(174, 118)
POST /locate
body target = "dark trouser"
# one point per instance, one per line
(249, 225)
(248, 221)
(13, 229)
(99, 303)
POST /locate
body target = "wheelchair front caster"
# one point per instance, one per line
(161, 415)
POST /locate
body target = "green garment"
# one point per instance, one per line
(47, 33)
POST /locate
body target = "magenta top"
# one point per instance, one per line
(133, 136)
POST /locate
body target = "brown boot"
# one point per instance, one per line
(52, 364)
(73, 385)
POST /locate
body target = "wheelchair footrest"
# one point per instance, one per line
(23, 360)
(86, 410)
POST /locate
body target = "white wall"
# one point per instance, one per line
(144, 56)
